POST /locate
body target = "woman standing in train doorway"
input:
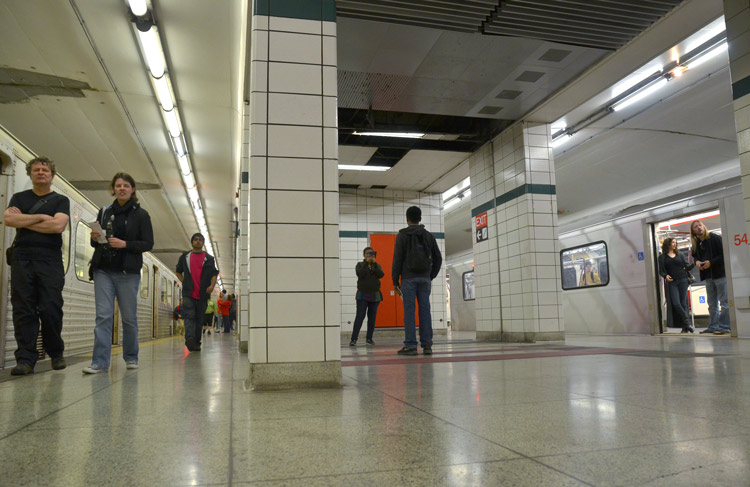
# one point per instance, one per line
(116, 271)
(369, 273)
(674, 269)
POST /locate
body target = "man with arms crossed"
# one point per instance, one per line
(197, 272)
(37, 277)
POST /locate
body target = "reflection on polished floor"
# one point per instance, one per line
(625, 411)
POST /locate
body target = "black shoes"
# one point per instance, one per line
(353, 343)
(688, 329)
(427, 350)
(407, 351)
(59, 363)
(192, 345)
(370, 342)
(22, 369)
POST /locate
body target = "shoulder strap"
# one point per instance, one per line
(41, 203)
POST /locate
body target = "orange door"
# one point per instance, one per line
(389, 311)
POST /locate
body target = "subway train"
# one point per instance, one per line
(159, 290)
(622, 252)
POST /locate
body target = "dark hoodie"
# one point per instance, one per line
(400, 249)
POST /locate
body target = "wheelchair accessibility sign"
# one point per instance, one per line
(702, 299)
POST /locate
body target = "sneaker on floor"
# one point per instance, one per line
(59, 363)
(132, 364)
(721, 332)
(353, 343)
(190, 343)
(22, 369)
(370, 342)
(407, 351)
(706, 331)
(427, 350)
(93, 369)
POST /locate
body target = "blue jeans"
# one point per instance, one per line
(371, 309)
(716, 294)
(678, 299)
(417, 289)
(107, 286)
(193, 312)
(227, 322)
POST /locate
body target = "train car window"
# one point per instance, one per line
(83, 252)
(164, 290)
(468, 285)
(145, 281)
(584, 266)
(169, 294)
(66, 248)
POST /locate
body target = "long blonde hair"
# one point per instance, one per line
(694, 237)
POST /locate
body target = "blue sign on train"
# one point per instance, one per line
(641, 256)
(702, 299)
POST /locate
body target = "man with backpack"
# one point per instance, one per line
(417, 261)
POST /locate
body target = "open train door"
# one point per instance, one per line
(6, 171)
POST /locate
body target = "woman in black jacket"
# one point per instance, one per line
(369, 296)
(116, 271)
(674, 269)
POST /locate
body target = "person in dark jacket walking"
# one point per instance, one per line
(708, 254)
(369, 273)
(197, 272)
(416, 261)
(116, 271)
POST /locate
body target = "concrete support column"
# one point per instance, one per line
(517, 268)
(737, 18)
(294, 335)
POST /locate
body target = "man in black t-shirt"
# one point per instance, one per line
(36, 272)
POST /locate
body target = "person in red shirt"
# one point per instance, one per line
(196, 269)
(224, 305)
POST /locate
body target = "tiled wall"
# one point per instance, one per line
(384, 211)
(517, 270)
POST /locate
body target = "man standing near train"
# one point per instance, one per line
(37, 277)
(196, 270)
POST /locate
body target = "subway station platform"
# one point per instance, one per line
(601, 411)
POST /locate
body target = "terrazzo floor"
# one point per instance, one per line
(589, 411)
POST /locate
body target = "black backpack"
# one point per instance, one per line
(418, 254)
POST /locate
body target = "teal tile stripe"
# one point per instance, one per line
(297, 9)
(513, 194)
(741, 88)
(364, 234)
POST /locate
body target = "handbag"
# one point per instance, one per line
(34, 209)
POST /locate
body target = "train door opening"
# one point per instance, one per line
(697, 304)
(155, 298)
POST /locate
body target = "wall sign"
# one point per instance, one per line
(480, 225)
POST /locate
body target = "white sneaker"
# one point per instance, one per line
(93, 369)
(131, 365)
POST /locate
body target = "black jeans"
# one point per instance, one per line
(36, 295)
(369, 307)
(678, 298)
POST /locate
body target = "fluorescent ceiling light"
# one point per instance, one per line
(455, 189)
(691, 218)
(184, 164)
(164, 93)
(560, 141)
(640, 95)
(710, 31)
(708, 55)
(636, 78)
(138, 7)
(405, 135)
(193, 195)
(173, 122)
(189, 180)
(456, 200)
(179, 146)
(152, 51)
(349, 167)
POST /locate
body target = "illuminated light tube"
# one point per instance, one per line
(405, 135)
(708, 55)
(635, 79)
(179, 146)
(560, 140)
(138, 7)
(164, 93)
(349, 167)
(691, 218)
(456, 200)
(184, 164)
(640, 95)
(455, 189)
(189, 180)
(173, 122)
(193, 194)
(152, 51)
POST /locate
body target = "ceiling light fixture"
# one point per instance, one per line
(640, 95)
(405, 135)
(456, 199)
(153, 55)
(352, 167)
(457, 188)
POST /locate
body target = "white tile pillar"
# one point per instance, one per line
(517, 269)
(243, 261)
(294, 256)
(737, 18)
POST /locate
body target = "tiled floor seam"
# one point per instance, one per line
(482, 437)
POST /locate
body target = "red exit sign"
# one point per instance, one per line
(481, 220)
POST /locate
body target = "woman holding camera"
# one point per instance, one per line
(369, 296)
(116, 271)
